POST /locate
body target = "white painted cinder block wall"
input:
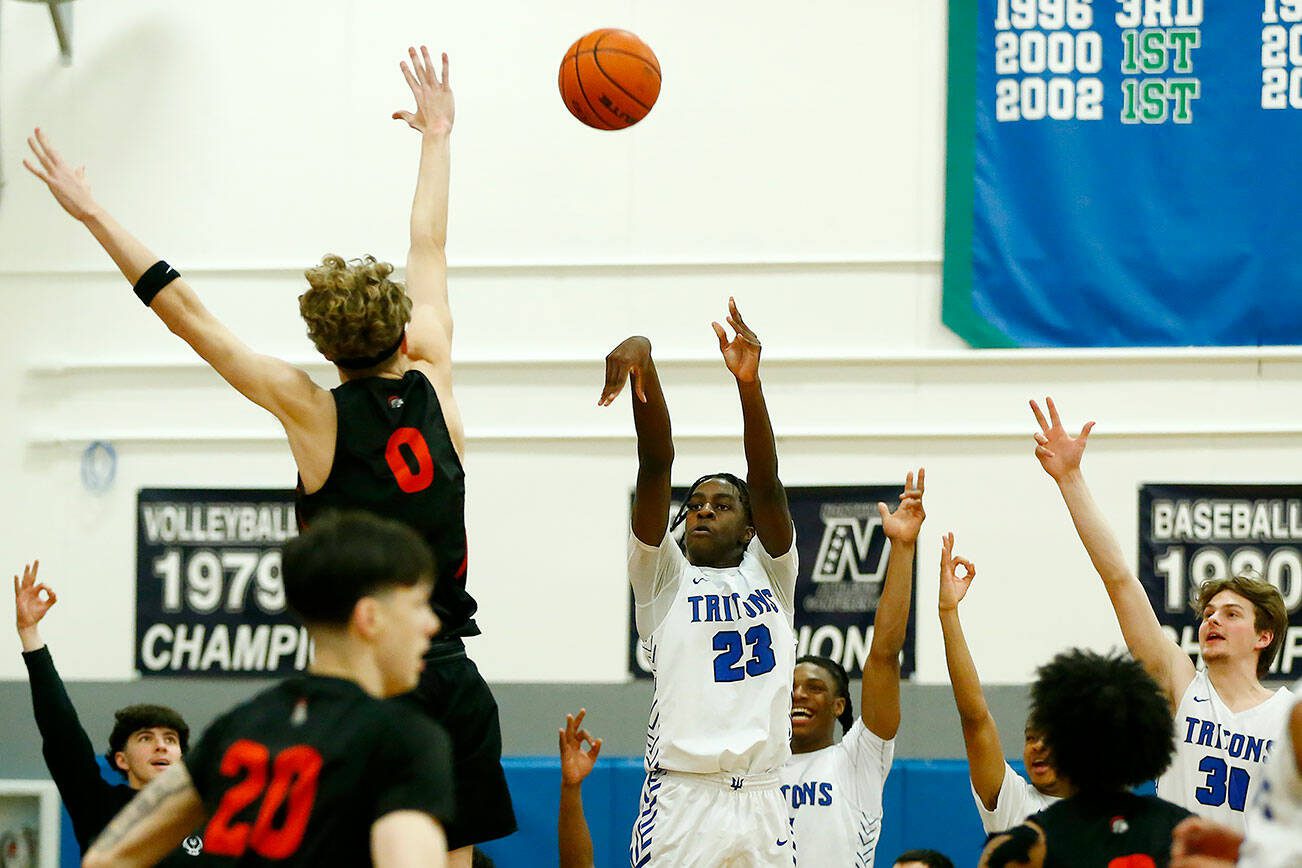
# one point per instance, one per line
(796, 161)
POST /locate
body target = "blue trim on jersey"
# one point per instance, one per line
(639, 849)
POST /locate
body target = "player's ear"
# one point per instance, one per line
(839, 706)
(366, 617)
(120, 760)
(1264, 638)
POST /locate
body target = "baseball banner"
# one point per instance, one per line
(1190, 533)
(843, 553)
(209, 596)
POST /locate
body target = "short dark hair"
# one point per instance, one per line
(1081, 700)
(345, 556)
(134, 718)
(930, 858)
(841, 679)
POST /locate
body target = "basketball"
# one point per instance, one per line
(609, 79)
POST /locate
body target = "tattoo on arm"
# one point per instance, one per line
(174, 780)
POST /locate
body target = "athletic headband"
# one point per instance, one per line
(364, 362)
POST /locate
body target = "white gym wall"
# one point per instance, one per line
(795, 160)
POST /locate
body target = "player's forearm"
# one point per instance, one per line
(963, 678)
(130, 255)
(757, 438)
(1092, 528)
(30, 638)
(572, 830)
(429, 207)
(891, 624)
(655, 443)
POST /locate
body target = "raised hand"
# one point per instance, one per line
(629, 359)
(68, 185)
(576, 762)
(31, 600)
(742, 353)
(1059, 452)
(953, 587)
(902, 526)
(435, 108)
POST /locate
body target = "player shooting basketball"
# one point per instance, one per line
(389, 439)
(716, 618)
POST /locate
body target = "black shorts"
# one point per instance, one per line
(453, 693)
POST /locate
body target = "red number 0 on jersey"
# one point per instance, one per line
(293, 777)
(419, 449)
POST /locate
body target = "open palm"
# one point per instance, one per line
(742, 353)
(1059, 452)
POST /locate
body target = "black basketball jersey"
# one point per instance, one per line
(1117, 830)
(393, 457)
(298, 774)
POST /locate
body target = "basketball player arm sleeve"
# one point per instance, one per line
(67, 749)
(985, 754)
(152, 824)
(1170, 667)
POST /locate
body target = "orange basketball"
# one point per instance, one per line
(609, 79)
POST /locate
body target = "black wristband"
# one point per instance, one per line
(151, 283)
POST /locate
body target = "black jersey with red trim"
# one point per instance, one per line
(1117, 830)
(298, 774)
(394, 457)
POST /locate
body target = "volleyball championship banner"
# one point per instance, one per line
(209, 597)
(1191, 533)
(1119, 172)
(843, 553)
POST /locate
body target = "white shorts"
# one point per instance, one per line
(706, 821)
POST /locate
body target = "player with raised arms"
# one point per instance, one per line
(834, 788)
(389, 439)
(317, 770)
(715, 618)
(1225, 719)
(146, 739)
(1003, 798)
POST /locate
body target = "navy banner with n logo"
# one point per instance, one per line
(843, 553)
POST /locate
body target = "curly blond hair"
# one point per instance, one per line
(352, 309)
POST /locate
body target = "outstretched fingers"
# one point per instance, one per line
(1039, 417)
(1053, 413)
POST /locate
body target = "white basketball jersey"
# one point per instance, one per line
(722, 650)
(1275, 813)
(1220, 755)
(835, 799)
(1018, 799)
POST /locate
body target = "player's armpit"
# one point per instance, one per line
(152, 824)
(408, 839)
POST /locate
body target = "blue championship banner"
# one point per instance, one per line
(1120, 172)
(1191, 533)
(209, 596)
(843, 553)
